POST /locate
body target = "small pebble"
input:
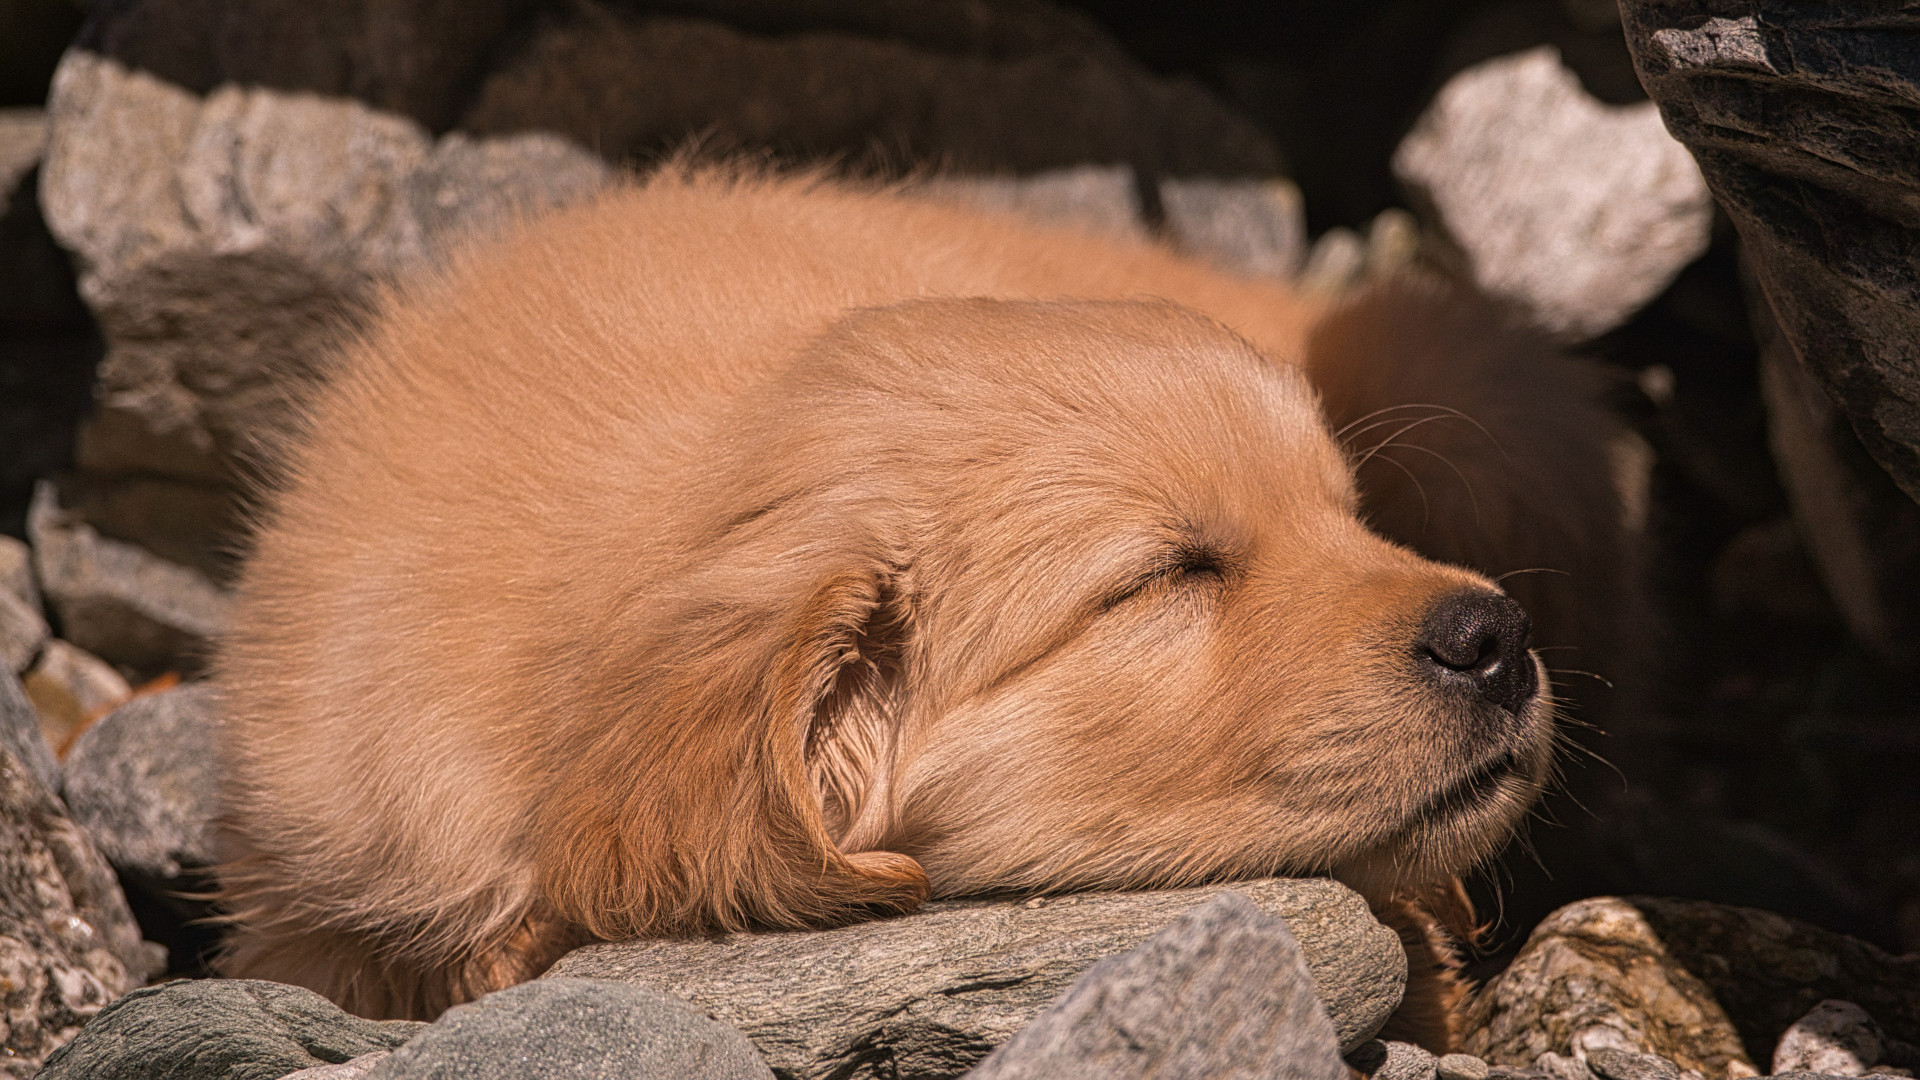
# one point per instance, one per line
(1615, 1064)
(1835, 1038)
(1461, 1067)
(1392, 1061)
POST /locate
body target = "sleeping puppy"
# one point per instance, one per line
(745, 551)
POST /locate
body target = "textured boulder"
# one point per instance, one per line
(1222, 993)
(1393, 1060)
(554, 1029)
(116, 599)
(1803, 119)
(1837, 1038)
(20, 734)
(1579, 210)
(22, 632)
(68, 945)
(1099, 198)
(1860, 529)
(142, 782)
(71, 687)
(16, 571)
(214, 1029)
(1596, 975)
(1250, 226)
(223, 240)
(1768, 971)
(931, 993)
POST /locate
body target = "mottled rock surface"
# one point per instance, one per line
(22, 632)
(220, 1029)
(16, 571)
(1596, 975)
(222, 242)
(118, 600)
(1393, 1060)
(1099, 198)
(1768, 970)
(70, 687)
(557, 1029)
(1837, 1038)
(142, 782)
(20, 734)
(68, 945)
(1805, 119)
(1223, 993)
(1249, 226)
(931, 993)
(1579, 210)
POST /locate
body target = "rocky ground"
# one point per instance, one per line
(201, 195)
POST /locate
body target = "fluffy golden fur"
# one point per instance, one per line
(745, 551)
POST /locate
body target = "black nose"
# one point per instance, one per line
(1478, 640)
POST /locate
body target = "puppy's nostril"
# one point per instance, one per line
(1479, 639)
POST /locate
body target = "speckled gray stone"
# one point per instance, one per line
(20, 733)
(552, 1029)
(1460, 1067)
(68, 944)
(1613, 1063)
(930, 994)
(142, 782)
(220, 1029)
(22, 632)
(1249, 226)
(1837, 1038)
(1221, 994)
(1392, 1060)
(1580, 211)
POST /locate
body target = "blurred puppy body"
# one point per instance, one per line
(750, 551)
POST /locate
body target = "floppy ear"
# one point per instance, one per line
(697, 807)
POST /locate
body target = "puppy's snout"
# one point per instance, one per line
(1478, 640)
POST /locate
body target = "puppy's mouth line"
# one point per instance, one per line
(1470, 791)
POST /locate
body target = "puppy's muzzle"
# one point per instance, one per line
(1475, 644)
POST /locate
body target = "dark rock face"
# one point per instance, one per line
(558, 1028)
(142, 782)
(932, 993)
(68, 945)
(1805, 119)
(1222, 993)
(236, 1029)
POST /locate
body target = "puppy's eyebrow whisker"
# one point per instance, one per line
(1425, 507)
(1535, 570)
(1448, 462)
(1348, 427)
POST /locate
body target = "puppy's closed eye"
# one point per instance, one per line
(1186, 566)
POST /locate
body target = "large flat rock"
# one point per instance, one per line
(932, 993)
(1805, 120)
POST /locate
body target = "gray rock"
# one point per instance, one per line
(142, 782)
(220, 1029)
(930, 994)
(1596, 974)
(71, 687)
(68, 944)
(1615, 1064)
(1837, 1038)
(1252, 226)
(1579, 210)
(16, 571)
(224, 243)
(20, 733)
(565, 1028)
(1099, 198)
(1802, 117)
(22, 632)
(1860, 530)
(23, 135)
(117, 600)
(352, 1069)
(1460, 1067)
(1221, 993)
(1393, 1060)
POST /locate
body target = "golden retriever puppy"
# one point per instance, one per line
(746, 551)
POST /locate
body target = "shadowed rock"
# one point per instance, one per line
(930, 994)
(1222, 994)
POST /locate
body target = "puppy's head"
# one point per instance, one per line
(1077, 594)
